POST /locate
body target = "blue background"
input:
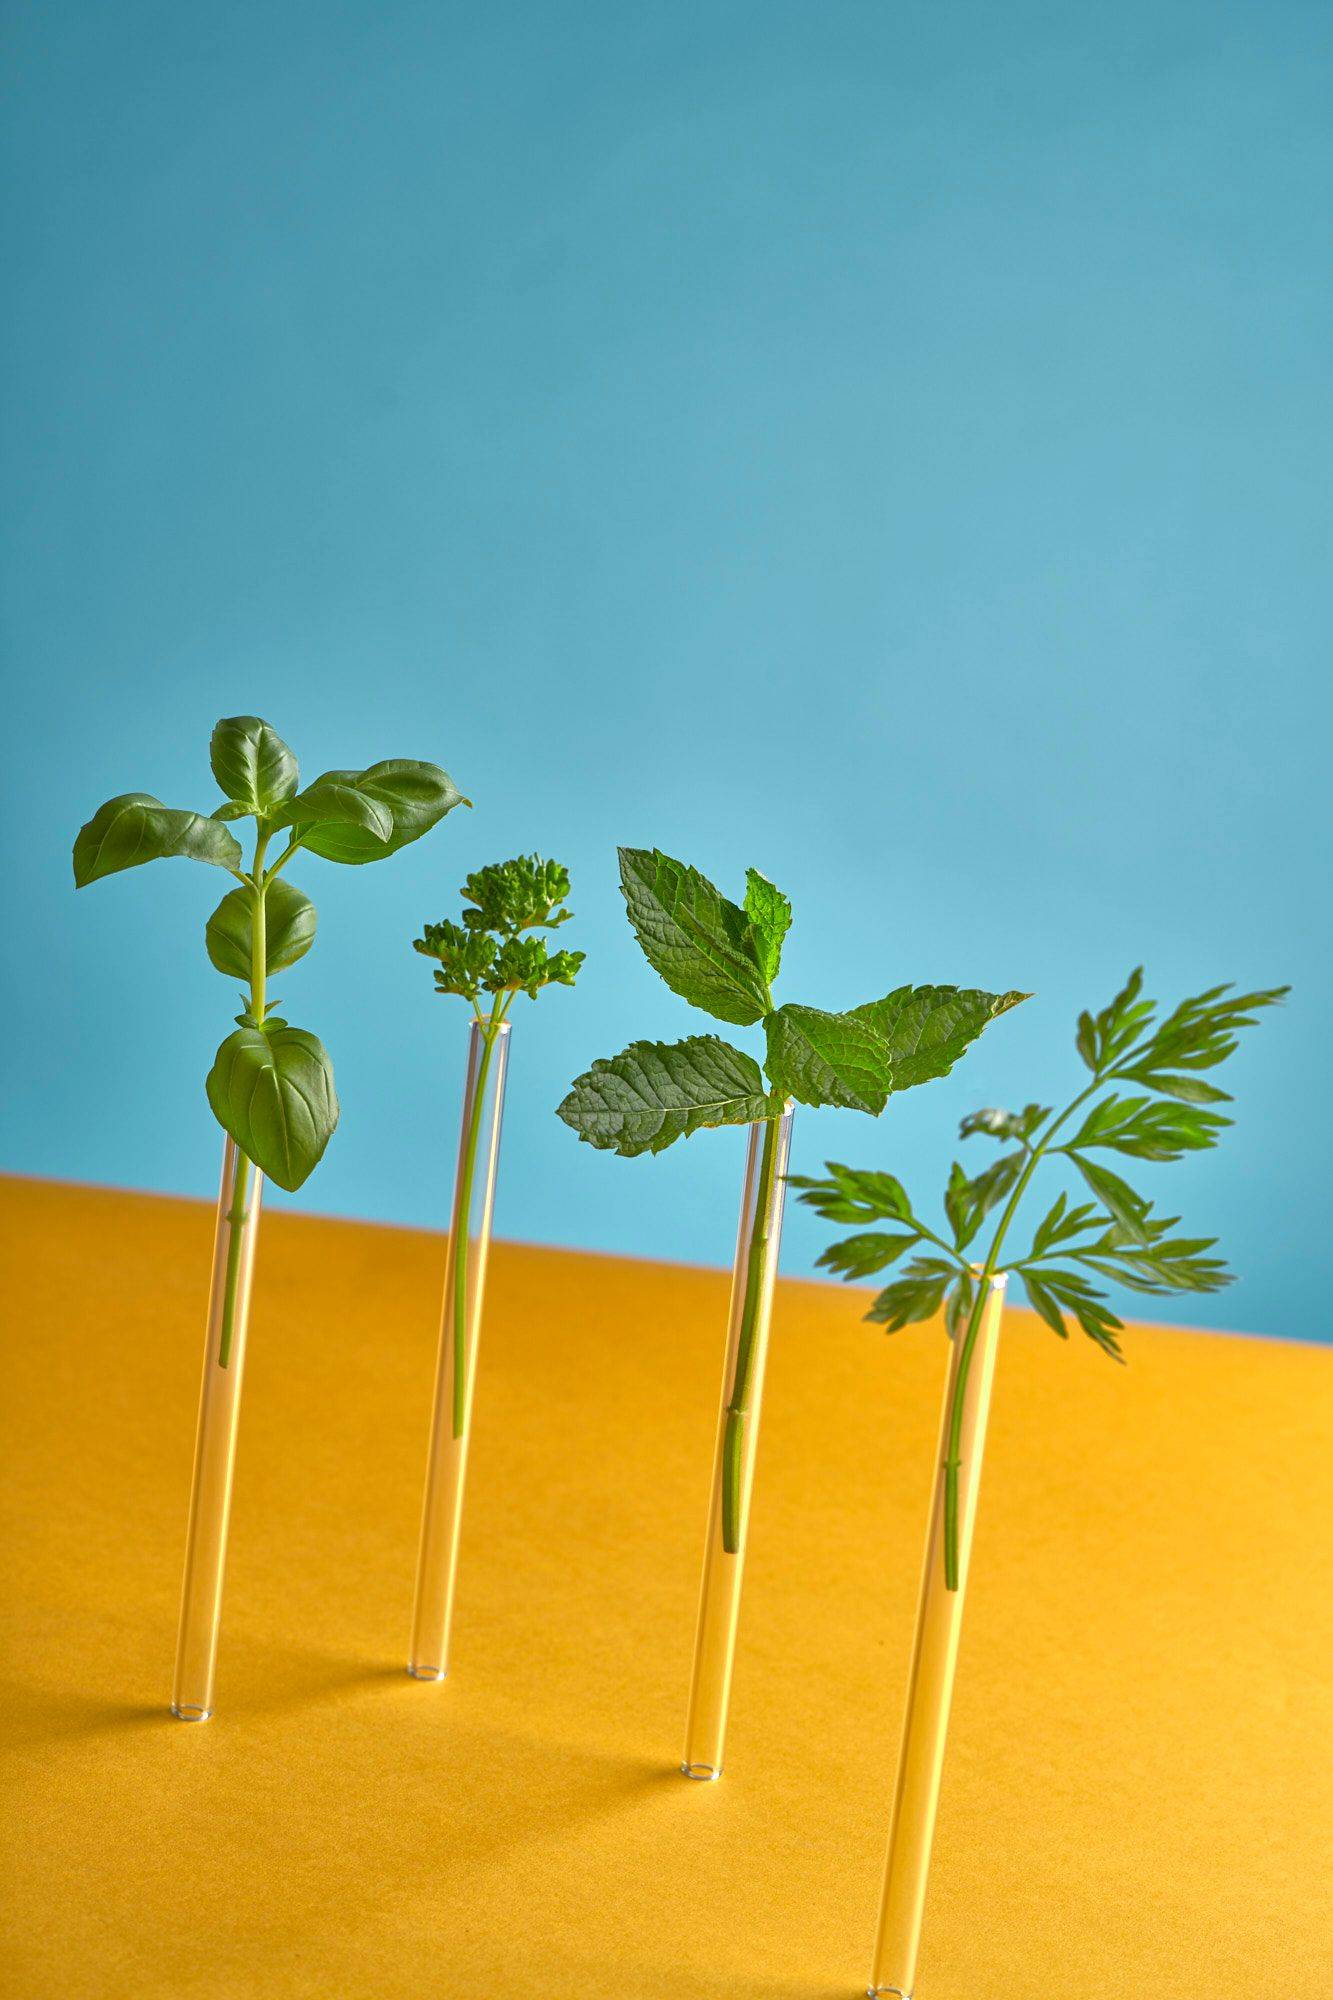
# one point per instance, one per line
(885, 443)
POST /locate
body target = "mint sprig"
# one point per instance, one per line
(1116, 1236)
(724, 958)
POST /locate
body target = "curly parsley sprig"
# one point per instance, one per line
(488, 953)
(1116, 1235)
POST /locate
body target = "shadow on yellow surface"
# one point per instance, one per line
(1138, 1764)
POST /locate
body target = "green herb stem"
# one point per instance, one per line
(240, 1188)
(463, 1207)
(738, 1404)
(953, 1458)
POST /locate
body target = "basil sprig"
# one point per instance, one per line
(271, 1085)
(724, 957)
(1115, 1236)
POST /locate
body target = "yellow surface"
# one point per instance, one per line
(1136, 1799)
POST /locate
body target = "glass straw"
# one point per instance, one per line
(939, 1620)
(460, 1324)
(234, 1236)
(758, 1242)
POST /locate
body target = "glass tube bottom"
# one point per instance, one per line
(707, 1773)
(420, 1673)
(886, 1993)
(185, 1712)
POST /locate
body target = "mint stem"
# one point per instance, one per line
(737, 1407)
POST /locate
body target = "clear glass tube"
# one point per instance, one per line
(939, 1621)
(758, 1242)
(234, 1237)
(460, 1324)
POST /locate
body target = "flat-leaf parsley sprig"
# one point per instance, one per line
(1114, 1236)
(489, 954)
(724, 958)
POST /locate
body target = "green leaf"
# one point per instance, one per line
(524, 965)
(692, 936)
(967, 1203)
(653, 1093)
(272, 1089)
(374, 812)
(289, 929)
(769, 913)
(465, 957)
(960, 1304)
(1056, 1289)
(1102, 1038)
(134, 828)
(253, 766)
(1043, 1303)
(1116, 1196)
(852, 1194)
(1004, 1124)
(1061, 1223)
(821, 1058)
(918, 1294)
(862, 1256)
(1201, 1033)
(517, 895)
(1145, 1130)
(927, 1028)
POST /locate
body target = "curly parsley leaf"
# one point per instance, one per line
(511, 896)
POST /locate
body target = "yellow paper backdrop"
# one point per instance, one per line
(1137, 1797)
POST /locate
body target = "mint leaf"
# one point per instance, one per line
(927, 1028)
(692, 936)
(822, 1058)
(654, 1093)
(769, 913)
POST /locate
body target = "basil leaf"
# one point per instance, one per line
(692, 936)
(272, 1089)
(253, 766)
(769, 913)
(331, 806)
(927, 1028)
(289, 927)
(404, 799)
(654, 1093)
(822, 1058)
(134, 828)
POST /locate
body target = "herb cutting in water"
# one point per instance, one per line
(271, 1085)
(489, 953)
(724, 957)
(1116, 1235)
